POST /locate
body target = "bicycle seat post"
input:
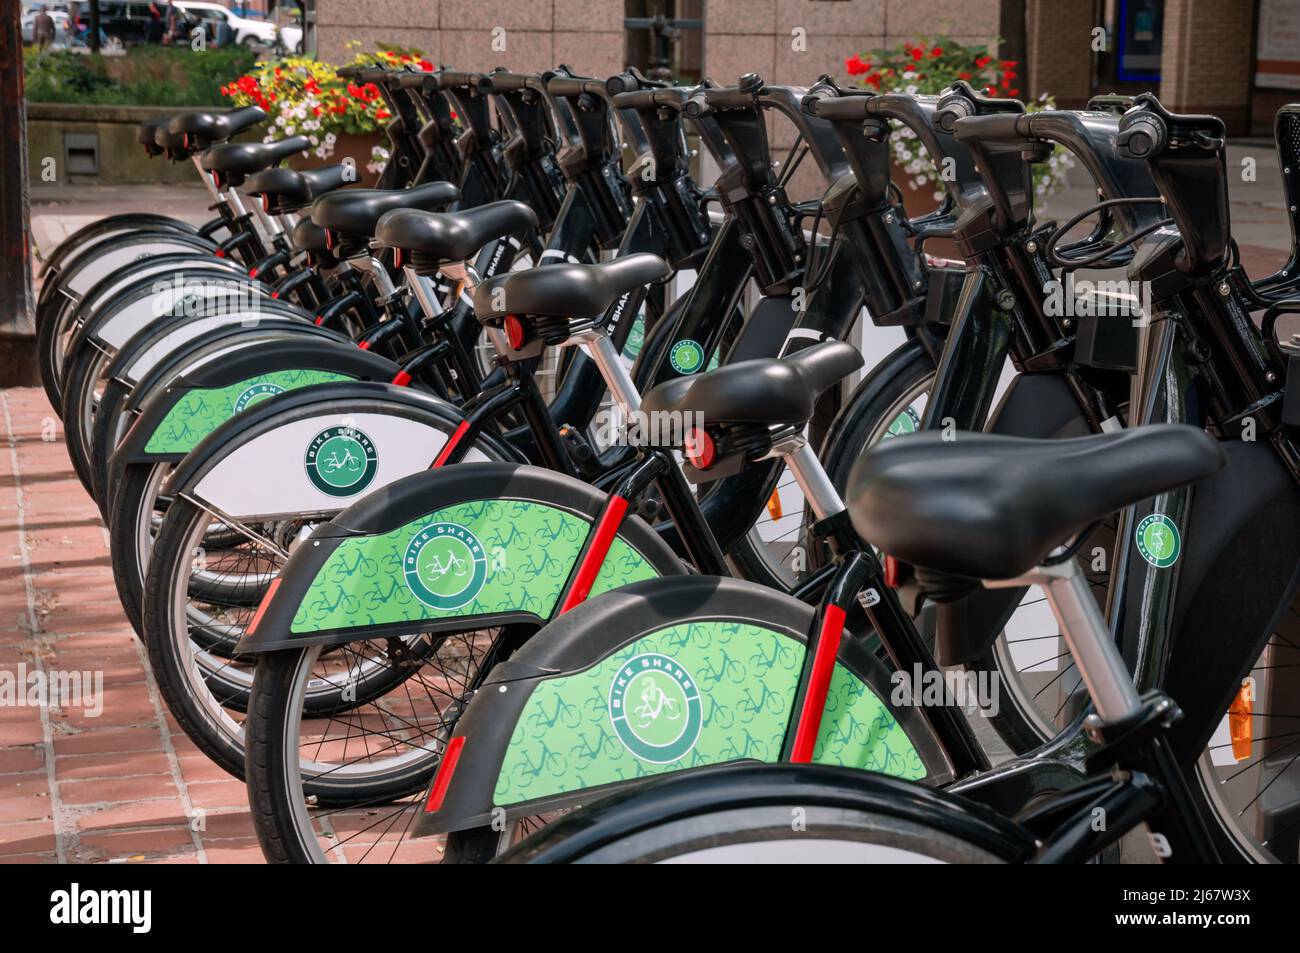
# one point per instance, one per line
(1105, 674)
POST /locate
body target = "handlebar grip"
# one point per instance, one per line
(728, 97)
(1005, 127)
(571, 87)
(836, 108)
(458, 79)
(501, 81)
(413, 80)
(674, 97)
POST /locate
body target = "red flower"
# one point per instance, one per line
(855, 65)
(918, 53)
(983, 61)
(382, 114)
(965, 76)
(1013, 92)
(426, 66)
(1007, 64)
(937, 52)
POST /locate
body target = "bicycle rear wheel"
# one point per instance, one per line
(760, 814)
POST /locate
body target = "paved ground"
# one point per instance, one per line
(123, 785)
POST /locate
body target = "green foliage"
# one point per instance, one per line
(145, 76)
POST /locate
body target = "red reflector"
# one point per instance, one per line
(442, 781)
(891, 572)
(514, 332)
(364, 345)
(401, 378)
(275, 294)
(252, 272)
(320, 319)
(221, 253)
(397, 258)
(699, 448)
(261, 609)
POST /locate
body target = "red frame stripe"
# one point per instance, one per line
(401, 378)
(819, 683)
(601, 539)
(450, 445)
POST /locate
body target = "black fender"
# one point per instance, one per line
(1034, 405)
(105, 291)
(518, 532)
(88, 236)
(116, 252)
(123, 395)
(401, 424)
(1237, 581)
(581, 835)
(137, 305)
(172, 421)
(740, 645)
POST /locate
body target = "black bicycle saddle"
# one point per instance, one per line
(770, 391)
(452, 236)
(567, 291)
(993, 507)
(245, 158)
(287, 190)
(204, 128)
(355, 212)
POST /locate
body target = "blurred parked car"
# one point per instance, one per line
(251, 32)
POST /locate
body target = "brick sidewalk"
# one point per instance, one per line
(124, 786)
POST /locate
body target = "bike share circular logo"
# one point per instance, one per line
(341, 461)
(1158, 540)
(445, 565)
(256, 393)
(655, 708)
(686, 357)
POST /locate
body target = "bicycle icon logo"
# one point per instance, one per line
(341, 461)
(655, 707)
(445, 566)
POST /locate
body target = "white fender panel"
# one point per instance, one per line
(269, 475)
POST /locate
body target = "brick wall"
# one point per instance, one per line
(1058, 53)
(538, 34)
(1206, 59)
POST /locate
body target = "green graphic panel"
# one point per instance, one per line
(202, 411)
(513, 555)
(567, 738)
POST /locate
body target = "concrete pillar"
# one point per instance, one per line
(17, 339)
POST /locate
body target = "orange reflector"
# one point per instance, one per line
(774, 505)
(261, 610)
(1240, 721)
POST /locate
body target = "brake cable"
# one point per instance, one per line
(1109, 248)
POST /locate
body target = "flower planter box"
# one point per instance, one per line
(357, 147)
